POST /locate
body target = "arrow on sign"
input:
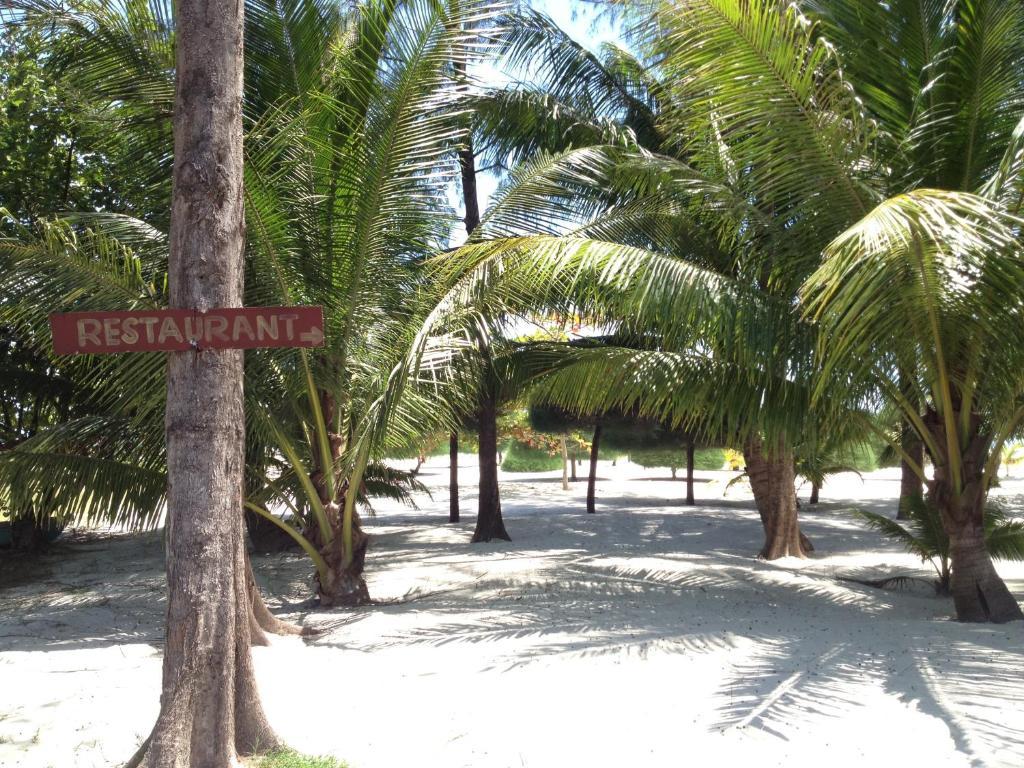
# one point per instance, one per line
(177, 330)
(314, 336)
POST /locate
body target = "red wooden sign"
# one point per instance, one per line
(176, 330)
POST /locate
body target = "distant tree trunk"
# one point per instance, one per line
(467, 166)
(33, 532)
(209, 705)
(673, 470)
(773, 481)
(690, 456)
(489, 524)
(815, 490)
(979, 593)
(592, 477)
(911, 486)
(565, 465)
(453, 477)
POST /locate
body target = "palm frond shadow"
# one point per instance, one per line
(105, 593)
(813, 659)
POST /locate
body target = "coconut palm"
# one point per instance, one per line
(943, 264)
(770, 152)
(352, 123)
(725, 251)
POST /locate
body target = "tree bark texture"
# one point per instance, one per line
(911, 486)
(209, 705)
(690, 457)
(773, 481)
(489, 524)
(453, 477)
(595, 448)
(979, 593)
(815, 492)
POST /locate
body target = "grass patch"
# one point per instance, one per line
(287, 758)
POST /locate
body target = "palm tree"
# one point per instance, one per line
(770, 152)
(945, 266)
(352, 125)
(670, 194)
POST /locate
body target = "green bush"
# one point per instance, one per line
(709, 458)
(675, 458)
(863, 457)
(519, 457)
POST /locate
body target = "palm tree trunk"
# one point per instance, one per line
(210, 709)
(489, 524)
(815, 490)
(773, 480)
(911, 486)
(565, 465)
(690, 451)
(592, 477)
(572, 464)
(979, 593)
(453, 477)
(344, 583)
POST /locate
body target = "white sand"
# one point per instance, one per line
(645, 635)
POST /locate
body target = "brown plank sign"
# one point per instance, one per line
(176, 330)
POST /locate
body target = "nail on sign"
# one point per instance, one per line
(175, 330)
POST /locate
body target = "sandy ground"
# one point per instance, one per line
(645, 635)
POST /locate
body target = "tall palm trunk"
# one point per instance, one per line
(565, 464)
(690, 456)
(489, 524)
(344, 583)
(773, 481)
(979, 593)
(453, 477)
(592, 476)
(209, 705)
(911, 486)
